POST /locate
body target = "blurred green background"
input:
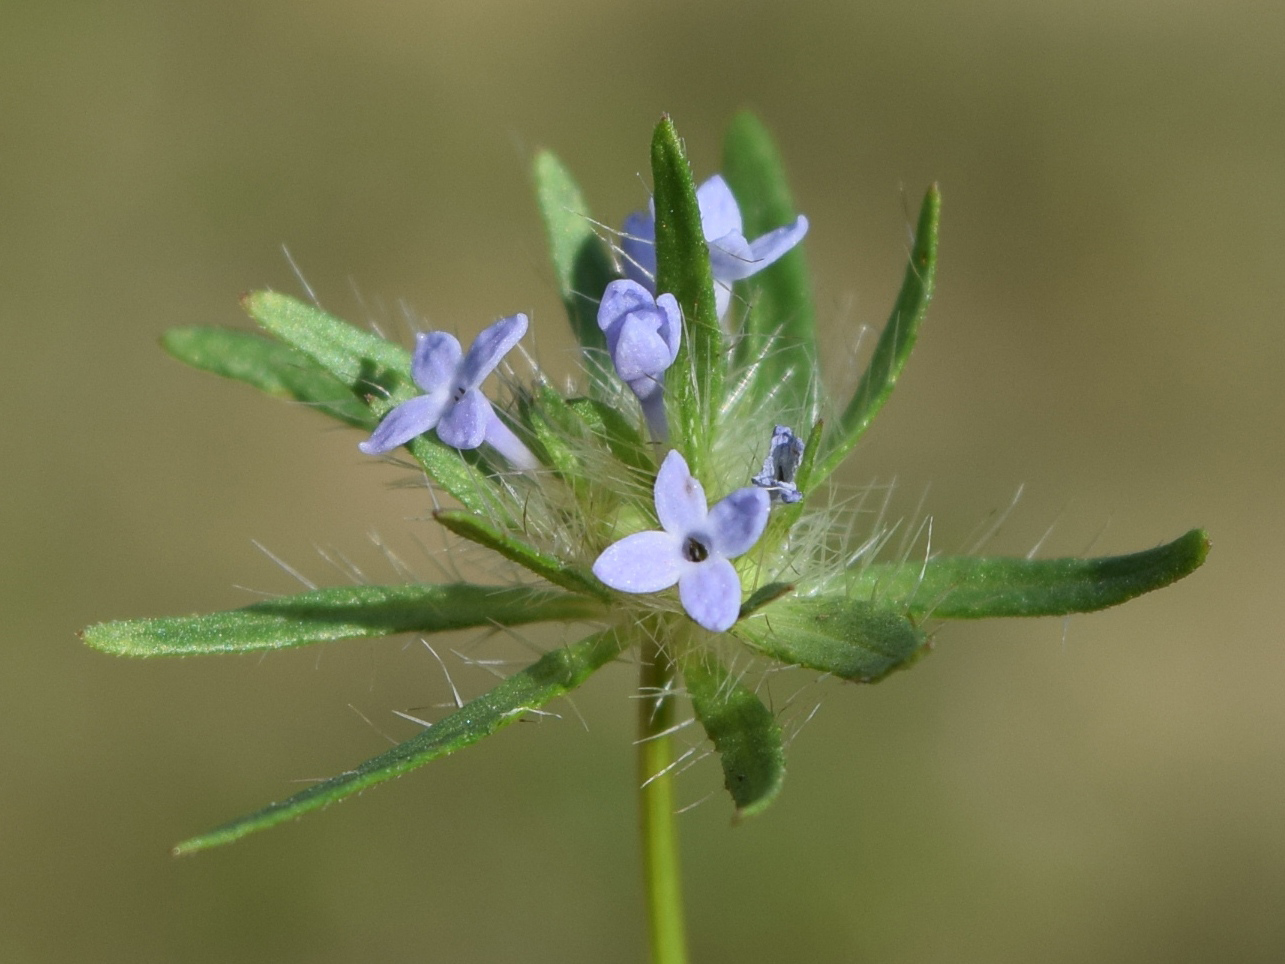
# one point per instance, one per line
(1107, 332)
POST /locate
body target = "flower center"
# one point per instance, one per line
(694, 550)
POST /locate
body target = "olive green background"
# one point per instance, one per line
(1107, 332)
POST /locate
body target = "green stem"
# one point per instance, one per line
(661, 875)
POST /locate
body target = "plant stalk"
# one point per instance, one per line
(662, 876)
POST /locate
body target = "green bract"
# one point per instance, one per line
(723, 395)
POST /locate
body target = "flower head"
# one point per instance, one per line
(452, 402)
(782, 462)
(732, 258)
(693, 547)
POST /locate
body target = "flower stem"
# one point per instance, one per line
(661, 874)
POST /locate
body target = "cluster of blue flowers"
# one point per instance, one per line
(643, 331)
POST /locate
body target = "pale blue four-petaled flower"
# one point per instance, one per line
(452, 402)
(732, 257)
(643, 333)
(693, 547)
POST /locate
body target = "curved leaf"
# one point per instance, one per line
(962, 587)
(551, 676)
(330, 614)
(743, 731)
(895, 341)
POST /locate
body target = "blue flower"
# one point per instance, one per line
(452, 402)
(731, 257)
(692, 549)
(643, 334)
(783, 457)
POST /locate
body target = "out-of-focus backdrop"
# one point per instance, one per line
(1107, 333)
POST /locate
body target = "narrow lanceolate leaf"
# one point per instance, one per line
(895, 342)
(329, 614)
(964, 587)
(693, 385)
(743, 731)
(779, 332)
(851, 638)
(581, 262)
(372, 368)
(476, 529)
(269, 366)
(553, 675)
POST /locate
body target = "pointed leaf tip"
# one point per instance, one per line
(968, 587)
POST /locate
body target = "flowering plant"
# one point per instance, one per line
(700, 362)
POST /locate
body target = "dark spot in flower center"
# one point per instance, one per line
(694, 550)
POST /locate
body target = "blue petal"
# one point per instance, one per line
(488, 348)
(711, 593)
(639, 350)
(406, 421)
(731, 258)
(620, 298)
(672, 328)
(680, 500)
(643, 562)
(720, 214)
(463, 426)
(638, 249)
(737, 521)
(436, 359)
(772, 246)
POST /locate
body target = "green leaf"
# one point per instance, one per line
(323, 615)
(361, 360)
(962, 587)
(694, 384)
(853, 639)
(553, 675)
(895, 342)
(270, 367)
(743, 731)
(477, 529)
(373, 368)
(779, 332)
(581, 261)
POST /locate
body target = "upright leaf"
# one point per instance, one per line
(693, 385)
(581, 262)
(780, 328)
(553, 675)
(894, 345)
(269, 366)
(965, 587)
(852, 638)
(324, 615)
(743, 731)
